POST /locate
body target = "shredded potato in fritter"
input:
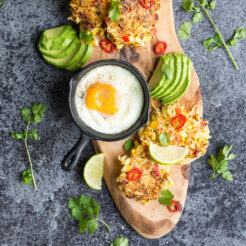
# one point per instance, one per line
(194, 134)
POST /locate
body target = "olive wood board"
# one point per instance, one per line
(152, 220)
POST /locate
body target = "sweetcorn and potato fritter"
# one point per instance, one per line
(194, 134)
(135, 27)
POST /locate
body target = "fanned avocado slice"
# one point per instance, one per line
(184, 87)
(60, 53)
(60, 42)
(182, 79)
(163, 79)
(155, 79)
(178, 74)
(78, 55)
(55, 32)
(63, 62)
(170, 80)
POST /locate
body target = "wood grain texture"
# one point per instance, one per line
(152, 220)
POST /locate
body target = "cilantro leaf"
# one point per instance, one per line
(27, 177)
(86, 37)
(120, 241)
(221, 164)
(203, 2)
(211, 4)
(197, 17)
(166, 198)
(18, 135)
(164, 139)
(167, 70)
(212, 43)
(33, 135)
(128, 145)
(240, 33)
(26, 114)
(86, 211)
(38, 112)
(114, 13)
(188, 5)
(184, 31)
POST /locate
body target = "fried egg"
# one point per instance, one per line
(109, 99)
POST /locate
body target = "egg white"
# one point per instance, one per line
(129, 103)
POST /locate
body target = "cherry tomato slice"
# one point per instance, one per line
(147, 3)
(126, 39)
(178, 121)
(107, 46)
(160, 47)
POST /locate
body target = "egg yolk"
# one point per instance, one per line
(101, 97)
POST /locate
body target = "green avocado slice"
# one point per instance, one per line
(170, 80)
(60, 42)
(63, 62)
(55, 32)
(184, 87)
(178, 71)
(60, 53)
(82, 60)
(182, 79)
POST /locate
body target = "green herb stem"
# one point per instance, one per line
(105, 224)
(29, 157)
(217, 30)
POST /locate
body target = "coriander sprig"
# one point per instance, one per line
(221, 163)
(114, 13)
(31, 116)
(86, 212)
(120, 241)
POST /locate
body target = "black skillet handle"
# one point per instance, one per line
(71, 159)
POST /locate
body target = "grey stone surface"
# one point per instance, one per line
(215, 211)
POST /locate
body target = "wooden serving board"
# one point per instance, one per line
(152, 220)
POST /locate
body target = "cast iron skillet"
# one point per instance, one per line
(88, 133)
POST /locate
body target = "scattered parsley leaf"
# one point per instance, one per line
(166, 198)
(203, 2)
(211, 4)
(184, 31)
(31, 116)
(27, 177)
(197, 17)
(128, 145)
(221, 164)
(167, 70)
(164, 139)
(86, 211)
(212, 43)
(120, 241)
(86, 37)
(114, 13)
(188, 5)
(240, 33)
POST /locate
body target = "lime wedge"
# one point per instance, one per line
(167, 155)
(93, 171)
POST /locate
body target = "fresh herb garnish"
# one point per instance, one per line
(240, 33)
(86, 37)
(164, 139)
(120, 241)
(212, 43)
(166, 198)
(31, 116)
(86, 212)
(166, 69)
(114, 13)
(128, 145)
(217, 40)
(220, 164)
(184, 30)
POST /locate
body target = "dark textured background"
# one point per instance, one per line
(215, 211)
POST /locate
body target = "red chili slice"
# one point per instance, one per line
(160, 47)
(134, 174)
(107, 46)
(126, 39)
(157, 170)
(178, 121)
(176, 207)
(147, 3)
